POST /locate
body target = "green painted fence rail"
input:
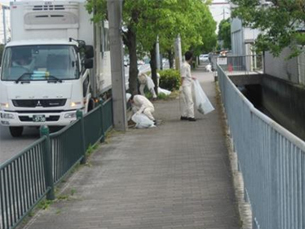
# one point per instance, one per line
(31, 175)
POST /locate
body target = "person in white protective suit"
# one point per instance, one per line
(140, 104)
(187, 108)
(145, 81)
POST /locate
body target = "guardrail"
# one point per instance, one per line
(31, 175)
(271, 160)
(244, 64)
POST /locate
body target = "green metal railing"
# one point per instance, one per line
(22, 183)
(66, 149)
(31, 175)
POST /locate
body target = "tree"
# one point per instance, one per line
(281, 23)
(144, 20)
(224, 33)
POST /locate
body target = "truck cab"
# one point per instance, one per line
(57, 63)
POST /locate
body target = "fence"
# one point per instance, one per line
(244, 64)
(31, 175)
(271, 160)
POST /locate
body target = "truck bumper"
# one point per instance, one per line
(8, 118)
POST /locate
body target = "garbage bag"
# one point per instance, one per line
(164, 91)
(142, 121)
(203, 104)
(150, 83)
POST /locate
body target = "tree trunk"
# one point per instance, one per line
(133, 65)
(153, 67)
(170, 59)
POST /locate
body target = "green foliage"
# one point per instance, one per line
(170, 79)
(281, 23)
(44, 204)
(144, 20)
(162, 96)
(224, 33)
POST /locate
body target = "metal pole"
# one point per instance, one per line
(114, 8)
(44, 131)
(158, 53)
(178, 54)
(79, 115)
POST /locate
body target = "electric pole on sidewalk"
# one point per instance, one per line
(114, 8)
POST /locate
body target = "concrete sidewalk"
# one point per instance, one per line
(176, 175)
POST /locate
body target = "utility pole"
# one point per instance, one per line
(114, 8)
(178, 54)
(158, 53)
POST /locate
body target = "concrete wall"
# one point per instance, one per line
(286, 102)
(237, 37)
(281, 67)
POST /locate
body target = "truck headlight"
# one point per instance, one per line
(70, 115)
(74, 104)
(6, 116)
(4, 105)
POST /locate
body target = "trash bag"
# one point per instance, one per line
(150, 83)
(142, 121)
(164, 91)
(203, 104)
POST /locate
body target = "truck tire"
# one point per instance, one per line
(91, 104)
(16, 131)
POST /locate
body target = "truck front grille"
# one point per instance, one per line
(39, 102)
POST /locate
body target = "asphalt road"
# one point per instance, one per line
(10, 146)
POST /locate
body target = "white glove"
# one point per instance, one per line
(138, 112)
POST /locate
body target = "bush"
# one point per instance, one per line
(170, 79)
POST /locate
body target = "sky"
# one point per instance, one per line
(220, 9)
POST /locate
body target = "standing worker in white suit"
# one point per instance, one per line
(187, 111)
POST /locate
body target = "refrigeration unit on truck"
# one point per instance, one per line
(56, 63)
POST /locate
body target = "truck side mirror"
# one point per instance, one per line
(89, 51)
(88, 63)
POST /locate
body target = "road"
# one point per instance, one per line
(10, 146)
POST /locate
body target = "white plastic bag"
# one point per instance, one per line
(203, 104)
(142, 121)
(164, 91)
(150, 83)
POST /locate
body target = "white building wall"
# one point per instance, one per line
(281, 67)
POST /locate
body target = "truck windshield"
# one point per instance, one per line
(40, 62)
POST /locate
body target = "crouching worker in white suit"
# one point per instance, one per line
(140, 104)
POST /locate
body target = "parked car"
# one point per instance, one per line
(204, 57)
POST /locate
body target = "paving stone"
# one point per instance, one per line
(176, 175)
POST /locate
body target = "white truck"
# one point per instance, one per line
(57, 62)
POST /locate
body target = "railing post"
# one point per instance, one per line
(48, 165)
(79, 115)
(102, 121)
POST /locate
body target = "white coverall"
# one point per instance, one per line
(143, 105)
(143, 79)
(186, 94)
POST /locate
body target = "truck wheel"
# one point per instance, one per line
(91, 105)
(16, 131)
